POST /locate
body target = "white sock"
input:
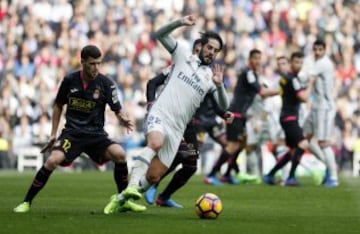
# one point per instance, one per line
(253, 163)
(144, 184)
(285, 171)
(330, 162)
(280, 151)
(316, 151)
(141, 164)
(120, 197)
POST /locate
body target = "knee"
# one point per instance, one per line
(153, 178)
(304, 144)
(155, 145)
(119, 157)
(52, 163)
(230, 148)
(155, 141)
(323, 144)
(250, 148)
(115, 153)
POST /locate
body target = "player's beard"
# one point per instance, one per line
(205, 60)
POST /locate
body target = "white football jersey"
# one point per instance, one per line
(186, 86)
(324, 86)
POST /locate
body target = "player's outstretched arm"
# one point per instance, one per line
(268, 92)
(304, 96)
(163, 33)
(226, 115)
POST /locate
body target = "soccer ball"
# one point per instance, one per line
(208, 206)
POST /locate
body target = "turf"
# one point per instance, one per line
(73, 203)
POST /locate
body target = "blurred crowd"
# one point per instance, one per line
(41, 39)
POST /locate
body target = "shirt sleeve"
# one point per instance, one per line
(215, 105)
(112, 97)
(253, 81)
(180, 52)
(296, 84)
(62, 94)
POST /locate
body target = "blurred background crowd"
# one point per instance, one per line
(40, 41)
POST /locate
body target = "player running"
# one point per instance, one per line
(188, 152)
(292, 93)
(190, 80)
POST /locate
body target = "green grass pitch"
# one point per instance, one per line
(73, 203)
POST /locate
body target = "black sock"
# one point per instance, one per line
(280, 164)
(38, 183)
(121, 176)
(232, 165)
(295, 160)
(222, 159)
(177, 161)
(179, 179)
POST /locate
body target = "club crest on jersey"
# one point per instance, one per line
(190, 146)
(96, 93)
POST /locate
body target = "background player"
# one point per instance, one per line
(320, 120)
(246, 88)
(292, 93)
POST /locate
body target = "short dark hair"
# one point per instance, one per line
(197, 41)
(211, 34)
(297, 54)
(319, 42)
(253, 52)
(90, 51)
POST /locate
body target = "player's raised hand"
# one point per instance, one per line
(189, 20)
(49, 145)
(218, 72)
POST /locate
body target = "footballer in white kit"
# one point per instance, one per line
(320, 120)
(321, 117)
(175, 106)
(189, 80)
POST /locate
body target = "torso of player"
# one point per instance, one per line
(324, 84)
(245, 91)
(289, 87)
(86, 105)
(187, 85)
